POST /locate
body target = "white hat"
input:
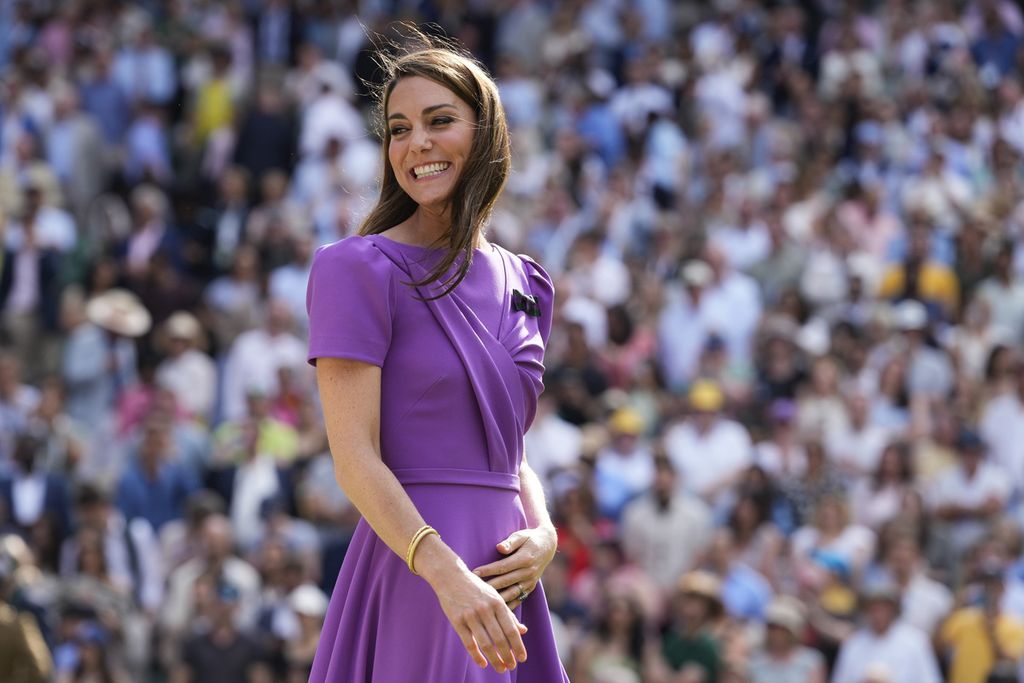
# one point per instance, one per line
(183, 325)
(911, 315)
(697, 274)
(308, 600)
(119, 311)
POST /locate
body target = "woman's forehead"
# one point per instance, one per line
(412, 94)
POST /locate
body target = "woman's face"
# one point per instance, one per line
(431, 137)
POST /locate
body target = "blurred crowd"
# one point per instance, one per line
(782, 435)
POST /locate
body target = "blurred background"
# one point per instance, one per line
(783, 429)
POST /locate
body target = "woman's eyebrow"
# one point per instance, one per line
(428, 110)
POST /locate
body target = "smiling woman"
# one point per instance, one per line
(438, 106)
(429, 346)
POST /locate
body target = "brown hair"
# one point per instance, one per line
(486, 171)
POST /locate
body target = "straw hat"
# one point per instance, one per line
(119, 311)
(703, 584)
(788, 613)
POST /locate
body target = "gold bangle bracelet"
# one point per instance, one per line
(423, 532)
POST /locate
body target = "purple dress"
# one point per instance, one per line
(460, 377)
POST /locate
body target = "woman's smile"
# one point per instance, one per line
(430, 171)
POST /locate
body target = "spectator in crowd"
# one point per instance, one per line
(980, 638)
(24, 654)
(625, 468)
(187, 371)
(782, 657)
(690, 643)
(222, 653)
(667, 529)
(708, 449)
(885, 648)
(155, 485)
(967, 498)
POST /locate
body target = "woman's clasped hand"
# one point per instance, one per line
(529, 552)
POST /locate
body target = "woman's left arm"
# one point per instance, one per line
(529, 551)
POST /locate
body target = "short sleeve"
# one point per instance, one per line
(350, 299)
(542, 287)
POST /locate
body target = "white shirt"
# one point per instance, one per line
(255, 481)
(743, 247)
(27, 497)
(706, 460)
(855, 544)
(736, 309)
(606, 280)
(666, 543)
(253, 362)
(192, 378)
(769, 456)
(903, 652)
(926, 603)
(288, 283)
(1002, 427)
(861, 448)
(330, 115)
(954, 487)
(551, 444)
(683, 329)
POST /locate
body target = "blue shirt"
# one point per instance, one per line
(159, 500)
(109, 106)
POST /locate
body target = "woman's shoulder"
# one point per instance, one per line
(534, 271)
(353, 256)
(354, 249)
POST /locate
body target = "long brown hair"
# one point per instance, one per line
(488, 165)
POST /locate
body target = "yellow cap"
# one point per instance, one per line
(626, 421)
(706, 396)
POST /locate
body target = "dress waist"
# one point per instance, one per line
(448, 475)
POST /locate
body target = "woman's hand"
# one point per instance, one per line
(487, 627)
(529, 551)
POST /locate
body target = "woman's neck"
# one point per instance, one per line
(428, 228)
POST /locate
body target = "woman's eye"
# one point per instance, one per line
(443, 120)
(397, 130)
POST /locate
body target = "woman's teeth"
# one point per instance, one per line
(430, 169)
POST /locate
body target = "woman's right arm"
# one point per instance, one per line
(350, 395)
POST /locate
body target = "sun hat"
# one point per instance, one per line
(786, 612)
(119, 311)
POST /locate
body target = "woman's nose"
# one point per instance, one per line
(420, 138)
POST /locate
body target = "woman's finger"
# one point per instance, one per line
(524, 557)
(513, 542)
(511, 593)
(484, 642)
(526, 576)
(510, 625)
(503, 566)
(495, 627)
(469, 642)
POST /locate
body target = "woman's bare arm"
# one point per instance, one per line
(531, 491)
(350, 395)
